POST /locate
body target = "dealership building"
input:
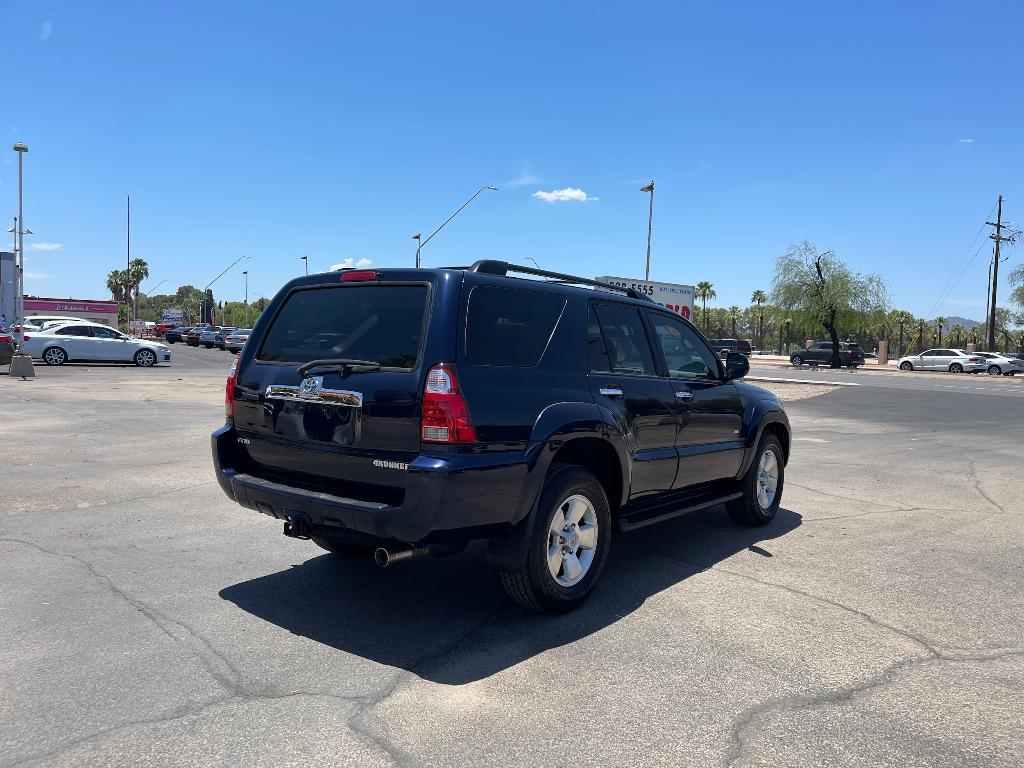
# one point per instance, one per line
(95, 310)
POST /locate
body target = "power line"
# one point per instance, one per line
(947, 288)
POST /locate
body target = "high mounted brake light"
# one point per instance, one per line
(358, 276)
(446, 416)
(229, 391)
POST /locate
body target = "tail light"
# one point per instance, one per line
(229, 391)
(25, 338)
(446, 416)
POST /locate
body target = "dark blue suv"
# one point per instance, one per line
(407, 412)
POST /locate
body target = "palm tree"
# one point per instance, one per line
(704, 291)
(940, 322)
(759, 297)
(734, 314)
(116, 282)
(957, 331)
(138, 270)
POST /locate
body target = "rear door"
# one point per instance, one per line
(708, 441)
(624, 379)
(356, 428)
(76, 341)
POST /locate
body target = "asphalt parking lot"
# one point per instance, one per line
(145, 620)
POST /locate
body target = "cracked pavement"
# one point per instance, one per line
(147, 621)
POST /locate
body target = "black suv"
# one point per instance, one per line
(820, 353)
(410, 411)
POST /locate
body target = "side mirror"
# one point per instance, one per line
(736, 366)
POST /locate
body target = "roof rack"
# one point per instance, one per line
(502, 268)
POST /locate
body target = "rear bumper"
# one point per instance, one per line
(454, 498)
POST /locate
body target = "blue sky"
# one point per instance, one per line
(882, 130)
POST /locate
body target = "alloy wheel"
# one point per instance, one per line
(572, 540)
(767, 478)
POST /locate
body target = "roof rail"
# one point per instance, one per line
(502, 268)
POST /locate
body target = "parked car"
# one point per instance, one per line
(415, 410)
(218, 338)
(724, 346)
(175, 335)
(870, 356)
(1001, 365)
(6, 346)
(233, 341)
(851, 355)
(36, 322)
(192, 337)
(92, 341)
(953, 360)
(209, 336)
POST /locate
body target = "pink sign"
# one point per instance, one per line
(37, 304)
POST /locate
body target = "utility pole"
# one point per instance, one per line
(649, 187)
(999, 238)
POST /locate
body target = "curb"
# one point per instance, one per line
(802, 381)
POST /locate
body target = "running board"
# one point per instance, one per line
(660, 514)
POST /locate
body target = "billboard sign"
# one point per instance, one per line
(678, 298)
(171, 316)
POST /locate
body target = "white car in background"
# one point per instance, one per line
(38, 322)
(952, 360)
(83, 341)
(1001, 365)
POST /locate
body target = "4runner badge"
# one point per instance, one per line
(390, 464)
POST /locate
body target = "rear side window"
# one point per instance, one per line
(510, 326)
(74, 330)
(378, 323)
(625, 340)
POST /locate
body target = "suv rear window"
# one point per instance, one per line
(379, 323)
(510, 326)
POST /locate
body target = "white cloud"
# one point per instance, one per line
(45, 30)
(46, 246)
(965, 141)
(36, 276)
(350, 263)
(561, 195)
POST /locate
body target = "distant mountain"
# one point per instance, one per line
(967, 324)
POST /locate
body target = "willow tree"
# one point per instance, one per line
(824, 291)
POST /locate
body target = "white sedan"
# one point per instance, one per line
(953, 360)
(1001, 364)
(93, 342)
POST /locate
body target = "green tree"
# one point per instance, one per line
(734, 315)
(704, 292)
(940, 323)
(956, 332)
(759, 297)
(138, 270)
(117, 283)
(824, 291)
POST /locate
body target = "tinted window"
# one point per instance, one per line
(685, 355)
(73, 330)
(597, 352)
(378, 323)
(510, 326)
(625, 340)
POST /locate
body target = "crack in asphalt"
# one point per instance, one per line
(102, 504)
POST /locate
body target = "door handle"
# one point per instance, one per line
(684, 395)
(611, 391)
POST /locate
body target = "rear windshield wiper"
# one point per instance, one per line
(345, 364)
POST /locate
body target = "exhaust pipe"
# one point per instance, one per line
(384, 557)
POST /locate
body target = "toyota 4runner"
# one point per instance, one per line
(407, 412)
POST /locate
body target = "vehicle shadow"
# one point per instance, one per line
(448, 621)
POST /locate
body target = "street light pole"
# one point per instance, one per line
(19, 307)
(649, 187)
(305, 259)
(246, 273)
(421, 242)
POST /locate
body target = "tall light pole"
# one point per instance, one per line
(420, 242)
(246, 273)
(649, 187)
(305, 259)
(19, 298)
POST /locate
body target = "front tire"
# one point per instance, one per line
(956, 368)
(762, 485)
(907, 366)
(145, 358)
(55, 356)
(569, 547)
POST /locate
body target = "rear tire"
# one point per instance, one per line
(343, 549)
(956, 368)
(796, 360)
(569, 546)
(761, 486)
(994, 370)
(54, 356)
